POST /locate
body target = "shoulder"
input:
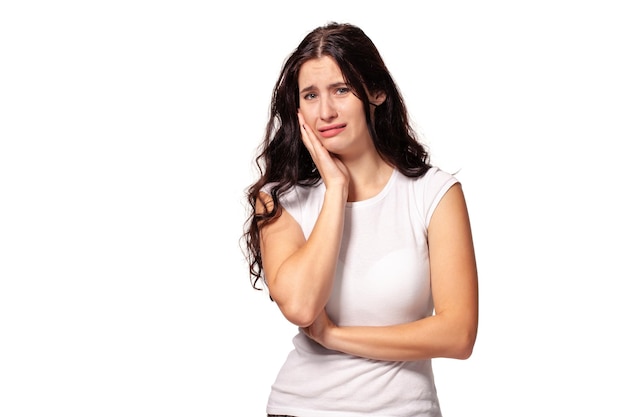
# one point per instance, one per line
(428, 190)
(299, 197)
(435, 180)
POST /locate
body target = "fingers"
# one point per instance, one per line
(307, 136)
(329, 166)
(317, 150)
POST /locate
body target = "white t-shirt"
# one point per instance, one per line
(382, 278)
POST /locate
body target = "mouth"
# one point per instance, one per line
(331, 130)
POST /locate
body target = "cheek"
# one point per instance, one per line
(308, 115)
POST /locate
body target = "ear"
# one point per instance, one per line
(377, 98)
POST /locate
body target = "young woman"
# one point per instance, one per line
(361, 242)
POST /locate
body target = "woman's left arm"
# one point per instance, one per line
(451, 331)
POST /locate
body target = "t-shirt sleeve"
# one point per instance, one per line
(436, 184)
(290, 201)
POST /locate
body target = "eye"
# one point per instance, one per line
(343, 90)
(310, 96)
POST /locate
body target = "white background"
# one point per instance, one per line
(127, 134)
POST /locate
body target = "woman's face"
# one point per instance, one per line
(331, 109)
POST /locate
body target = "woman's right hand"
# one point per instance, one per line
(333, 172)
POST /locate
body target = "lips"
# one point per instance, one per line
(332, 130)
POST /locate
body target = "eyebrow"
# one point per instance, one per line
(333, 85)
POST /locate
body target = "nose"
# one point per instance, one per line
(327, 109)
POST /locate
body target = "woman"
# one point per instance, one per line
(361, 242)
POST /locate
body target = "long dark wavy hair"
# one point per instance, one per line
(284, 160)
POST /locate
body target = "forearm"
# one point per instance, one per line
(431, 337)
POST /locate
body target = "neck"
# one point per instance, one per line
(367, 179)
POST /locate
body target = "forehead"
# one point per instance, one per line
(319, 72)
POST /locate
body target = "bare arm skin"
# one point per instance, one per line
(299, 272)
(451, 331)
